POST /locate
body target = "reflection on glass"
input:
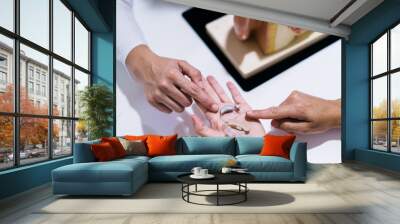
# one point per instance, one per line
(395, 94)
(33, 139)
(395, 47)
(34, 21)
(379, 135)
(62, 89)
(34, 94)
(62, 29)
(7, 14)
(81, 45)
(6, 74)
(379, 55)
(81, 131)
(379, 97)
(6, 142)
(62, 138)
(395, 138)
(81, 82)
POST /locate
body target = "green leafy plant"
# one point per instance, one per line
(96, 102)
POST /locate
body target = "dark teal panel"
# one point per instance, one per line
(103, 63)
(385, 160)
(357, 99)
(356, 75)
(91, 14)
(22, 179)
(103, 58)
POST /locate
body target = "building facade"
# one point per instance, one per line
(34, 81)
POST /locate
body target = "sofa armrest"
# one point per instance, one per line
(83, 152)
(298, 155)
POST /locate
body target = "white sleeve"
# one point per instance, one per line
(129, 34)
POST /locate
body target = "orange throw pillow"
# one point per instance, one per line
(116, 145)
(103, 152)
(161, 145)
(277, 145)
(136, 137)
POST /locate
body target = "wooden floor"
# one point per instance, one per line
(351, 181)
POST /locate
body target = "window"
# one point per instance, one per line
(62, 31)
(37, 74)
(44, 91)
(41, 124)
(7, 14)
(6, 73)
(30, 87)
(62, 74)
(3, 78)
(62, 137)
(30, 72)
(385, 94)
(81, 45)
(3, 61)
(34, 22)
(6, 142)
(37, 90)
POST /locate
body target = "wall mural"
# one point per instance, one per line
(269, 78)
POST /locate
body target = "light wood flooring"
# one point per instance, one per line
(378, 188)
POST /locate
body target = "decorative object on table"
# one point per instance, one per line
(200, 173)
(236, 170)
(196, 170)
(231, 163)
(96, 102)
(239, 180)
(253, 76)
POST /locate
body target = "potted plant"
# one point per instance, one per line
(96, 102)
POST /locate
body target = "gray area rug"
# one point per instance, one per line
(166, 198)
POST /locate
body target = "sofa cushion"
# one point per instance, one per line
(206, 145)
(133, 158)
(185, 163)
(103, 152)
(159, 145)
(112, 171)
(136, 147)
(257, 163)
(83, 152)
(116, 145)
(249, 145)
(277, 145)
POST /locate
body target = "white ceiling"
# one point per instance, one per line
(321, 9)
(327, 16)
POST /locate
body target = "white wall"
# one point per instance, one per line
(169, 35)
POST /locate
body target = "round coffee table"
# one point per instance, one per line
(238, 179)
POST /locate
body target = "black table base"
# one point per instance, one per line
(220, 193)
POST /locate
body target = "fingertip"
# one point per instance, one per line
(214, 107)
(230, 85)
(210, 78)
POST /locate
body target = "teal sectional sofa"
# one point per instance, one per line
(125, 176)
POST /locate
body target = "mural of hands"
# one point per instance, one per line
(230, 120)
(302, 113)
